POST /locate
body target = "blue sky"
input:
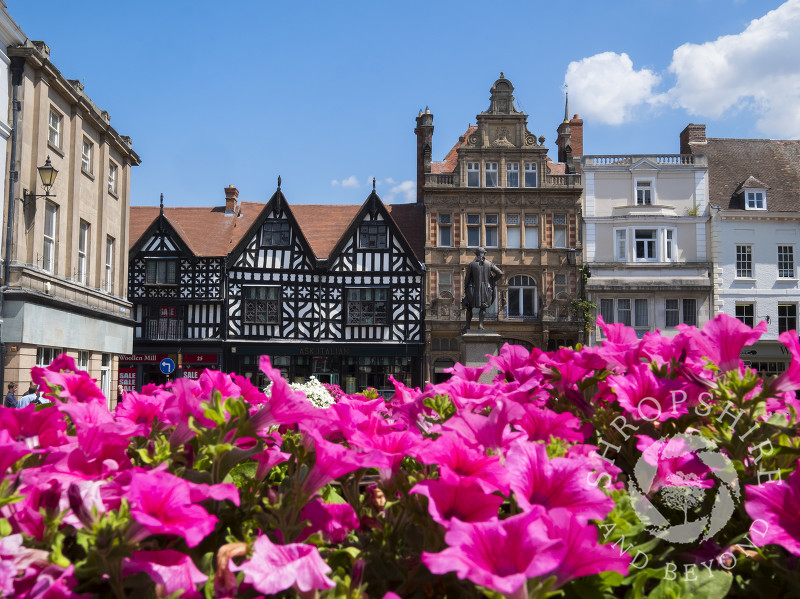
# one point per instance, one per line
(325, 94)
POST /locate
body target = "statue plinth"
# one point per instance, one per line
(475, 345)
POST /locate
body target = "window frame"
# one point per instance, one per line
(755, 199)
(363, 302)
(512, 174)
(108, 280)
(531, 170)
(473, 174)
(649, 245)
(55, 126)
(786, 321)
(519, 286)
(560, 287)
(560, 230)
(531, 221)
(444, 284)
(83, 251)
(679, 312)
(365, 236)
(271, 305)
(647, 186)
(285, 228)
(113, 176)
(744, 261)
(739, 312)
(157, 279)
(491, 175)
(513, 230)
(786, 265)
(491, 230)
(87, 156)
(473, 228)
(444, 223)
(664, 244)
(50, 237)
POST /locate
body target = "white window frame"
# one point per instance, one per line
(473, 174)
(519, 285)
(491, 222)
(513, 231)
(113, 176)
(648, 245)
(560, 230)
(680, 313)
(50, 237)
(55, 125)
(512, 174)
(108, 280)
(786, 265)
(744, 264)
(755, 199)
(83, 251)
(87, 150)
(531, 222)
(492, 177)
(665, 244)
(647, 187)
(445, 222)
(46, 355)
(531, 172)
(83, 360)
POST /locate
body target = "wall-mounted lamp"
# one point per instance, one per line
(47, 173)
(767, 318)
(571, 256)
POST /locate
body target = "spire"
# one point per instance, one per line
(566, 107)
(279, 181)
(161, 211)
(373, 184)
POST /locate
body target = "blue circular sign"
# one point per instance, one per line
(167, 366)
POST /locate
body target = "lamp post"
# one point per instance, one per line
(47, 173)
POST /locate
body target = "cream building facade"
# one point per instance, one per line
(65, 263)
(646, 242)
(498, 189)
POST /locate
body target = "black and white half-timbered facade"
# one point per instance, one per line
(331, 291)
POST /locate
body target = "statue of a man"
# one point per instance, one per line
(479, 287)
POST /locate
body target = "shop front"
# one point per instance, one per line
(140, 369)
(354, 367)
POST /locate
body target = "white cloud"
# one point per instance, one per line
(389, 181)
(754, 70)
(334, 182)
(606, 88)
(351, 181)
(402, 192)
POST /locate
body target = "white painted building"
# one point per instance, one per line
(755, 234)
(645, 241)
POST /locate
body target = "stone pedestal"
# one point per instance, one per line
(475, 345)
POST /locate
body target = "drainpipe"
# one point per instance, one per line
(17, 68)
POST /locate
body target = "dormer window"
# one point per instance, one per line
(755, 199)
(644, 193)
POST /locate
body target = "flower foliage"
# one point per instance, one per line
(516, 486)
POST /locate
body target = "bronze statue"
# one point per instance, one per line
(479, 287)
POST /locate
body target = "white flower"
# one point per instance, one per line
(313, 390)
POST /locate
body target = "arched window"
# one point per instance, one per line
(522, 298)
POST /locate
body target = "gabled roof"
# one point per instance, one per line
(448, 165)
(206, 231)
(774, 163)
(750, 183)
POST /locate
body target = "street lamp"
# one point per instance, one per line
(47, 173)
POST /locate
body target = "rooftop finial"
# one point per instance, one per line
(162, 203)
(566, 104)
(501, 75)
(373, 183)
(279, 181)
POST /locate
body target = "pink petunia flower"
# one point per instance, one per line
(677, 465)
(274, 568)
(492, 432)
(541, 424)
(40, 428)
(499, 554)
(558, 482)
(141, 410)
(645, 396)
(789, 380)
(66, 382)
(584, 556)
(775, 506)
(722, 339)
(172, 571)
(333, 520)
(162, 504)
(451, 453)
(454, 497)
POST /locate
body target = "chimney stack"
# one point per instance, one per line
(692, 136)
(231, 196)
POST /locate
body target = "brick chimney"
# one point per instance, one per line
(424, 131)
(231, 196)
(691, 137)
(576, 137)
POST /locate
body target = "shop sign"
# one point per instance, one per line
(200, 358)
(127, 378)
(155, 358)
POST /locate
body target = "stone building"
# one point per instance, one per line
(65, 251)
(497, 188)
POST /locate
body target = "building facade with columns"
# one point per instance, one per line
(65, 260)
(498, 189)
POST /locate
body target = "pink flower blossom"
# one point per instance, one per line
(451, 453)
(66, 382)
(558, 482)
(274, 568)
(333, 520)
(645, 396)
(541, 424)
(584, 556)
(454, 497)
(40, 428)
(162, 504)
(722, 339)
(774, 507)
(789, 380)
(333, 460)
(677, 465)
(141, 410)
(492, 432)
(499, 554)
(171, 570)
